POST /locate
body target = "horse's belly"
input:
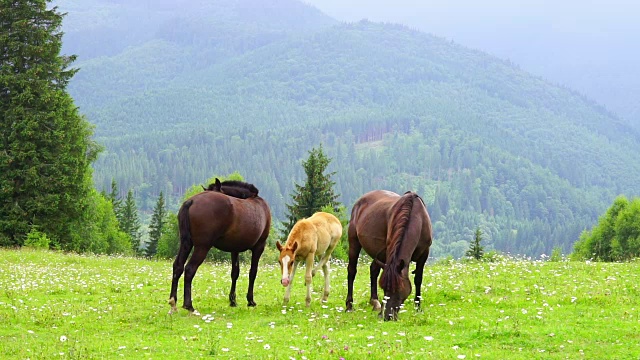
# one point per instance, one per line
(241, 237)
(236, 244)
(374, 246)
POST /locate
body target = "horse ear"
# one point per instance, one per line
(295, 246)
(217, 186)
(278, 246)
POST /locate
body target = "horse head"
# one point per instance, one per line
(287, 259)
(397, 290)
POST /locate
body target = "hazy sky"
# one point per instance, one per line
(465, 18)
(592, 46)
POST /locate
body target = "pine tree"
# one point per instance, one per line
(475, 249)
(115, 199)
(130, 223)
(316, 193)
(46, 149)
(156, 226)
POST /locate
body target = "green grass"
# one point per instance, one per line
(55, 305)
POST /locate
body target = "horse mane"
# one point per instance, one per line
(390, 279)
(241, 184)
(235, 184)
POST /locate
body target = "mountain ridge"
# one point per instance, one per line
(489, 144)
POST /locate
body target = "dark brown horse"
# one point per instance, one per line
(230, 223)
(394, 230)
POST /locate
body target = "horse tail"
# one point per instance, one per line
(184, 225)
(186, 244)
(390, 279)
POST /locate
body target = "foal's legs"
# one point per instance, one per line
(199, 254)
(374, 271)
(325, 258)
(287, 291)
(255, 258)
(354, 252)
(308, 277)
(235, 273)
(178, 269)
(327, 286)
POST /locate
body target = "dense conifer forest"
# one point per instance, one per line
(182, 91)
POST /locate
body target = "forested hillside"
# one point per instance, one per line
(200, 88)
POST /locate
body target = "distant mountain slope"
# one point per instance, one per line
(140, 45)
(484, 142)
(96, 28)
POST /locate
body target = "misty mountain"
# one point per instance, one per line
(588, 46)
(226, 88)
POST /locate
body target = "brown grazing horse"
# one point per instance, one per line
(314, 236)
(394, 230)
(230, 223)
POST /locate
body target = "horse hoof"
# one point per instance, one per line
(195, 313)
(173, 309)
(251, 303)
(233, 304)
(376, 305)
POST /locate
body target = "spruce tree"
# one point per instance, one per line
(46, 149)
(115, 199)
(156, 226)
(475, 248)
(317, 191)
(130, 223)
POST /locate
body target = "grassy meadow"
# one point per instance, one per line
(63, 306)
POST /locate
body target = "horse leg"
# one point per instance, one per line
(354, 253)
(178, 269)
(199, 254)
(253, 272)
(308, 277)
(287, 292)
(321, 263)
(417, 279)
(235, 273)
(327, 286)
(324, 259)
(374, 271)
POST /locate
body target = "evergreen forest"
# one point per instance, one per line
(180, 91)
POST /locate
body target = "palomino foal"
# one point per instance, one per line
(314, 236)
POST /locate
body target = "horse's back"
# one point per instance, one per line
(328, 229)
(369, 218)
(228, 223)
(329, 223)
